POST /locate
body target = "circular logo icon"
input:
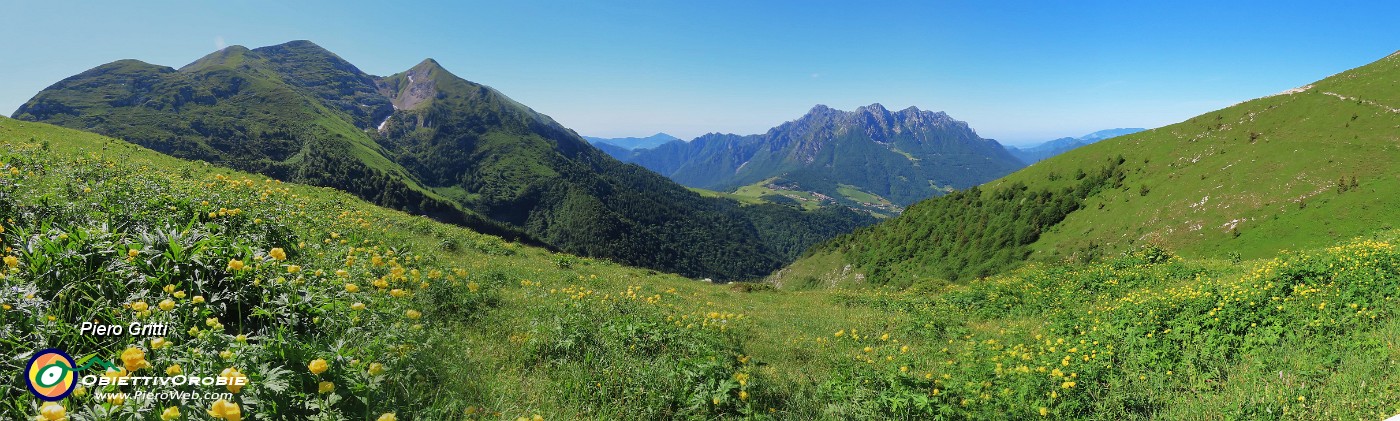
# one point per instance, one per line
(50, 374)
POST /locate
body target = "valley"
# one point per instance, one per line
(284, 232)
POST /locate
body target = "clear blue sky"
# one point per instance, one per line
(1016, 71)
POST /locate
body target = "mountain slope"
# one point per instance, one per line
(1040, 152)
(902, 156)
(99, 228)
(631, 143)
(234, 108)
(425, 141)
(1300, 169)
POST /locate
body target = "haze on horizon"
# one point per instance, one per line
(1018, 72)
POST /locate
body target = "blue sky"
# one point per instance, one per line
(1018, 72)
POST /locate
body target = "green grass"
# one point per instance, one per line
(873, 202)
(514, 331)
(804, 199)
(1262, 176)
(747, 200)
(1281, 184)
(849, 196)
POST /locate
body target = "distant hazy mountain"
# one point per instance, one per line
(630, 143)
(862, 158)
(614, 150)
(1051, 148)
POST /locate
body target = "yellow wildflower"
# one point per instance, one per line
(173, 370)
(170, 413)
(318, 366)
(52, 411)
(140, 306)
(376, 369)
(11, 261)
(277, 253)
(357, 306)
(167, 304)
(325, 387)
(388, 416)
(225, 410)
(235, 264)
(133, 359)
(412, 314)
(236, 379)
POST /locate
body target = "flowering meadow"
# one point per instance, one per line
(327, 307)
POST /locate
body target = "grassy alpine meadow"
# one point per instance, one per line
(332, 308)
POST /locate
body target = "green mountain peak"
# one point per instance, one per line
(417, 86)
(427, 64)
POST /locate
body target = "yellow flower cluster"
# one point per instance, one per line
(225, 410)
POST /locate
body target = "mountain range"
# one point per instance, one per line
(630, 143)
(871, 158)
(429, 142)
(1241, 263)
(1040, 152)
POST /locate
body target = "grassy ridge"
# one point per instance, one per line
(1252, 178)
(513, 331)
(1297, 170)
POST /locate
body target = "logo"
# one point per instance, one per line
(50, 374)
